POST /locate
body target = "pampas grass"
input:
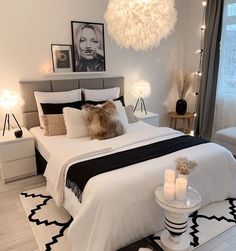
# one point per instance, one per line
(181, 85)
(184, 82)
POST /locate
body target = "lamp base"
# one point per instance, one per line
(143, 107)
(7, 123)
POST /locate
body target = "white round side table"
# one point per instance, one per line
(174, 237)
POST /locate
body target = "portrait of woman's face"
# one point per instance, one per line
(88, 46)
(88, 43)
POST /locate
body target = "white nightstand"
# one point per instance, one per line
(17, 156)
(150, 118)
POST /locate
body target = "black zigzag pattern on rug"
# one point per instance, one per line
(153, 237)
(38, 207)
(232, 207)
(46, 222)
(195, 216)
(56, 237)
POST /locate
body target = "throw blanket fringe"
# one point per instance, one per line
(55, 175)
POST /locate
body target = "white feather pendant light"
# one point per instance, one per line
(140, 24)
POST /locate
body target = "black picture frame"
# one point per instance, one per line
(62, 57)
(88, 46)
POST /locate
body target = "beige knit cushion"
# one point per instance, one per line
(130, 114)
(54, 124)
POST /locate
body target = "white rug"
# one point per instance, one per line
(49, 223)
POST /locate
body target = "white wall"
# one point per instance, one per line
(193, 38)
(195, 14)
(29, 27)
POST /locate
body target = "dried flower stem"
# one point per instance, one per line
(184, 82)
(185, 166)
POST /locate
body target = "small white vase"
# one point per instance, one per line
(183, 176)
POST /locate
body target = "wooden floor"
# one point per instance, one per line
(15, 231)
(16, 234)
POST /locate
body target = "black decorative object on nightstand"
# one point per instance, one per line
(18, 133)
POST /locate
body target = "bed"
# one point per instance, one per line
(118, 207)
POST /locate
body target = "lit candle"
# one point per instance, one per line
(169, 191)
(170, 176)
(180, 189)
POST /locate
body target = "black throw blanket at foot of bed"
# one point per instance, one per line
(79, 173)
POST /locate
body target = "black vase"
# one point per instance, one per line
(181, 106)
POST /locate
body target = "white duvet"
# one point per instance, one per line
(118, 207)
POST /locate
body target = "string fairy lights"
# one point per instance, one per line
(203, 27)
(200, 51)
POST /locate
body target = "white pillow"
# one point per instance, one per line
(76, 122)
(122, 113)
(55, 97)
(101, 94)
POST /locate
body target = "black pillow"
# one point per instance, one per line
(49, 108)
(90, 102)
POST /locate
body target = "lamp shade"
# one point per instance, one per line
(141, 89)
(140, 24)
(8, 99)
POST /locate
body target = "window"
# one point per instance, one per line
(231, 9)
(226, 85)
(227, 70)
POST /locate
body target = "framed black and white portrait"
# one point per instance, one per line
(62, 57)
(88, 46)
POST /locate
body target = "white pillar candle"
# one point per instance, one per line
(169, 191)
(180, 189)
(170, 176)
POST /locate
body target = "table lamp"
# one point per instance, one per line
(8, 101)
(141, 90)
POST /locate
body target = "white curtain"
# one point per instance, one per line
(225, 108)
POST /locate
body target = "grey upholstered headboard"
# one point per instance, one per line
(30, 112)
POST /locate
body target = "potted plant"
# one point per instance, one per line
(184, 82)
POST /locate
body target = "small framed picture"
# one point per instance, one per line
(88, 46)
(62, 57)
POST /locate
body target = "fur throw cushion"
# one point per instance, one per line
(104, 121)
